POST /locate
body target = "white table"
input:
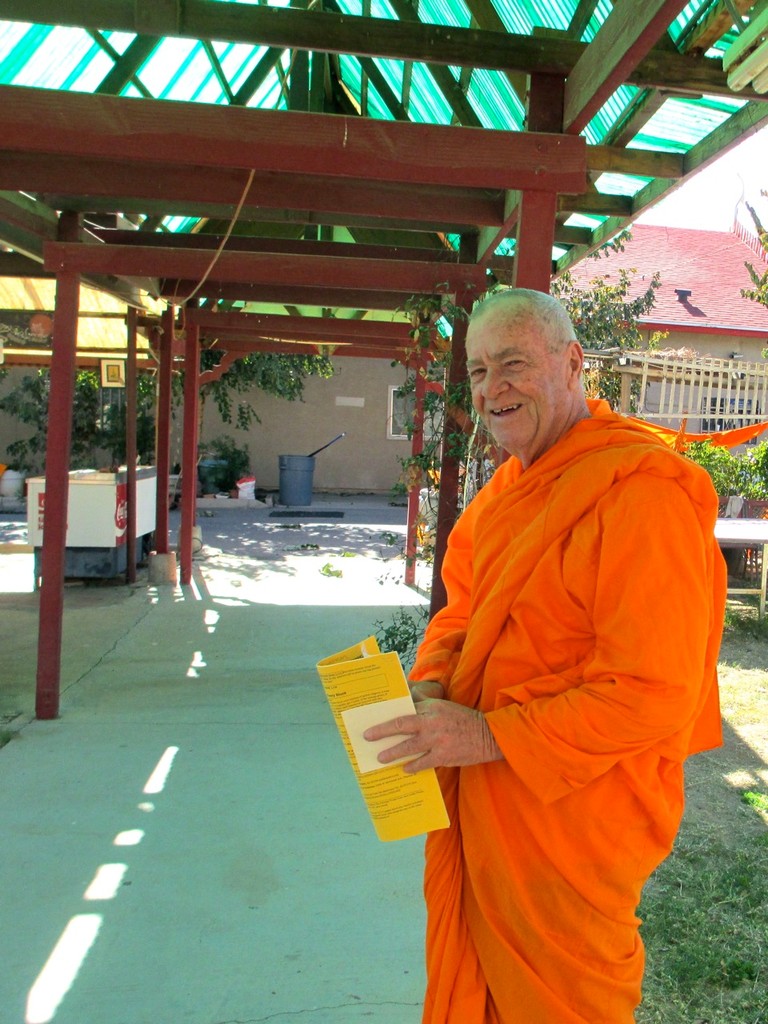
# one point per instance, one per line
(746, 533)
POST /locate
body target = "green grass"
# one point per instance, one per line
(705, 915)
(757, 800)
(742, 619)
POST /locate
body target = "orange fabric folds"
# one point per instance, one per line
(585, 607)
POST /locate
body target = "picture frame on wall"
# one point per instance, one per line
(113, 373)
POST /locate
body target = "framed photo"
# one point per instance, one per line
(113, 373)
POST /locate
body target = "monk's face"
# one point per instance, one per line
(527, 395)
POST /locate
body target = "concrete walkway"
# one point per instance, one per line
(186, 843)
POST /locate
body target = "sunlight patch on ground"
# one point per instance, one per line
(309, 579)
(156, 781)
(17, 573)
(61, 968)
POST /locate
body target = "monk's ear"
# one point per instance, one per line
(575, 362)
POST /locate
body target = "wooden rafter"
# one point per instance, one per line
(127, 65)
(625, 38)
(487, 17)
(717, 21)
(451, 90)
(581, 17)
(374, 37)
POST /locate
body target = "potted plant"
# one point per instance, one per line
(224, 462)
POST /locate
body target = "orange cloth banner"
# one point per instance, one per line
(680, 439)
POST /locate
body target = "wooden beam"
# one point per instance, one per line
(156, 131)
(265, 268)
(536, 232)
(249, 342)
(285, 246)
(451, 90)
(636, 115)
(287, 293)
(25, 226)
(487, 17)
(376, 78)
(581, 17)
(289, 29)
(231, 341)
(489, 239)
(289, 326)
(103, 184)
(15, 264)
(189, 458)
(644, 163)
(275, 222)
(715, 23)
(373, 37)
(57, 450)
(599, 204)
(625, 37)
(124, 70)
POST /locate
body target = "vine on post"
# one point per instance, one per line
(432, 318)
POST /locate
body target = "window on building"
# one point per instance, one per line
(399, 413)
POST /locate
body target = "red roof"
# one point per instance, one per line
(702, 274)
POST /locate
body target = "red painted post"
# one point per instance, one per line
(131, 448)
(535, 238)
(417, 447)
(189, 452)
(448, 504)
(538, 210)
(164, 341)
(51, 614)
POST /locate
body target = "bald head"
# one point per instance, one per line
(524, 364)
(516, 307)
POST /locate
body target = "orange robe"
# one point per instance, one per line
(585, 607)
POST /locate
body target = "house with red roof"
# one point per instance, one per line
(710, 368)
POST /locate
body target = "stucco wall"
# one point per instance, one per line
(354, 401)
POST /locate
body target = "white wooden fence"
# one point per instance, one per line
(722, 393)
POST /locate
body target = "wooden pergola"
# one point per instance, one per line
(87, 181)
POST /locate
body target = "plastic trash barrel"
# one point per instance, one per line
(296, 479)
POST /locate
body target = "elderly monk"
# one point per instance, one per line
(571, 672)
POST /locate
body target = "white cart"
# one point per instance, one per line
(97, 520)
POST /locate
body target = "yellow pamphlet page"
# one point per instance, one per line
(365, 687)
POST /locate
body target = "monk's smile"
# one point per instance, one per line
(526, 393)
(507, 409)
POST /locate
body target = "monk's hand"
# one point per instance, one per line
(426, 689)
(441, 734)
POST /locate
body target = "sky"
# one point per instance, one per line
(713, 197)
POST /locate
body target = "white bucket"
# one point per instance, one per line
(12, 484)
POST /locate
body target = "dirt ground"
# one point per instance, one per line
(716, 779)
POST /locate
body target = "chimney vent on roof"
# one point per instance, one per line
(683, 294)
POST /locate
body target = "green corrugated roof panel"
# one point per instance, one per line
(496, 102)
(444, 12)
(65, 58)
(55, 58)
(680, 123)
(607, 116)
(687, 18)
(182, 69)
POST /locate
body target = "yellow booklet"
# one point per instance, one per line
(365, 687)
